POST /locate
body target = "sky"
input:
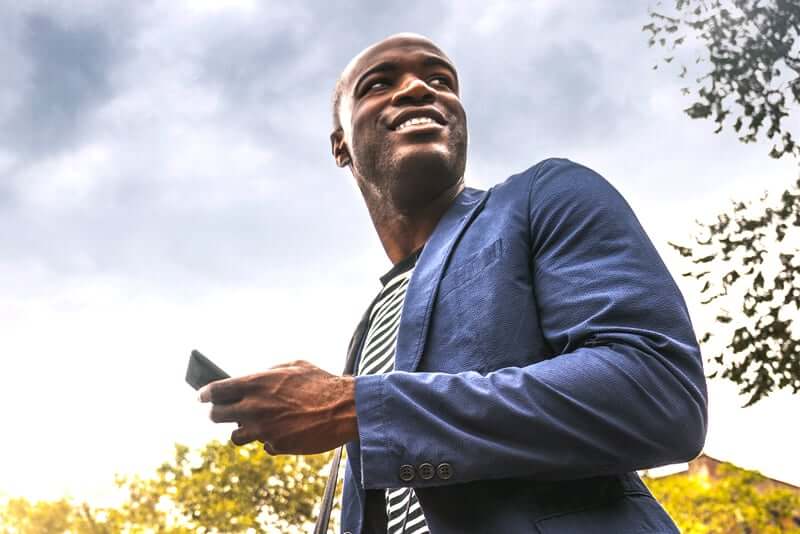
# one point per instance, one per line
(166, 184)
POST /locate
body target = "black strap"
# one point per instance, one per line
(330, 486)
(327, 497)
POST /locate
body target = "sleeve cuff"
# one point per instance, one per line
(376, 453)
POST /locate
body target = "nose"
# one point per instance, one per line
(413, 92)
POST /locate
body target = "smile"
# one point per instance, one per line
(415, 122)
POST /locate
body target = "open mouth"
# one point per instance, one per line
(419, 118)
(417, 121)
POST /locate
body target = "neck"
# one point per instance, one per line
(403, 231)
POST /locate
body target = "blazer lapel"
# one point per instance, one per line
(424, 282)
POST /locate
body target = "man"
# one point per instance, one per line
(528, 352)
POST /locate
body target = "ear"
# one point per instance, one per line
(339, 148)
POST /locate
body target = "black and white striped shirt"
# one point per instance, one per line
(403, 511)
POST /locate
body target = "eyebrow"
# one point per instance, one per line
(389, 66)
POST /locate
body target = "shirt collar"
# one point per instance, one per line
(402, 266)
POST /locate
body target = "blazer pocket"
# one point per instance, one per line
(470, 268)
(631, 513)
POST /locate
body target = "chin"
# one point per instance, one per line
(419, 179)
(409, 177)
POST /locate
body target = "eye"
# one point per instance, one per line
(441, 81)
(375, 85)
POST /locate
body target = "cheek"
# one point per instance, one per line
(456, 109)
(366, 136)
(360, 131)
(355, 128)
(462, 117)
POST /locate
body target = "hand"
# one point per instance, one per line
(293, 408)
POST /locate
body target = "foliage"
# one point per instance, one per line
(21, 516)
(754, 55)
(750, 69)
(218, 488)
(230, 489)
(732, 261)
(739, 501)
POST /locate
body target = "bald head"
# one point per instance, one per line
(398, 40)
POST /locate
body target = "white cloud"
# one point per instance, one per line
(215, 6)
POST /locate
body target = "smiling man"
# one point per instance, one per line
(528, 351)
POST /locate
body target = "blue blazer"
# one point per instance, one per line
(544, 354)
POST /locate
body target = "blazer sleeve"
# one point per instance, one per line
(624, 391)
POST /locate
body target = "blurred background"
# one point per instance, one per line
(166, 184)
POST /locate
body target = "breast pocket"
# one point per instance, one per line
(470, 268)
(484, 314)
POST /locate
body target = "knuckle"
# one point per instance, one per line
(252, 381)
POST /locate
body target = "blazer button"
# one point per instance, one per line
(406, 473)
(444, 471)
(426, 471)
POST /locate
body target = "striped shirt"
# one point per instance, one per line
(403, 512)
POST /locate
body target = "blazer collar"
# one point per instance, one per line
(424, 282)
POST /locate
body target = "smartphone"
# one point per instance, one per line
(202, 371)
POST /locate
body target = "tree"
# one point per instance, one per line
(26, 517)
(739, 501)
(20, 516)
(751, 47)
(748, 258)
(222, 488)
(216, 489)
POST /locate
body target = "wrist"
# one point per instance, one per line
(348, 408)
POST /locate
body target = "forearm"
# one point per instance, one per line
(596, 411)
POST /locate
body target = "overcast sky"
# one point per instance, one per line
(166, 184)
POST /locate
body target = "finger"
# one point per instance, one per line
(230, 413)
(223, 391)
(243, 435)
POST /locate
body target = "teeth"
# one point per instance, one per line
(416, 120)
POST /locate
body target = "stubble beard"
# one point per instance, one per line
(404, 183)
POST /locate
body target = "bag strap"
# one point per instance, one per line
(326, 506)
(327, 497)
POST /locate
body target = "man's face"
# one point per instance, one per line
(403, 124)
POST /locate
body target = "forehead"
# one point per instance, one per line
(390, 49)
